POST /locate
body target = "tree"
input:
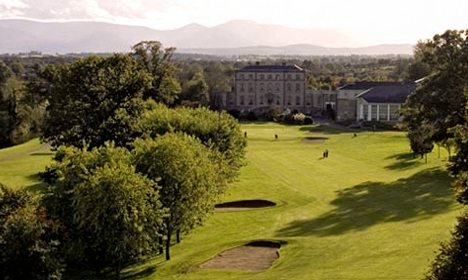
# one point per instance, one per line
(27, 236)
(190, 175)
(94, 100)
(111, 214)
(195, 92)
(216, 130)
(452, 260)
(421, 140)
(440, 99)
(157, 63)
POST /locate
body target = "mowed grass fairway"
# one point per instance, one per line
(19, 165)
(368, 211)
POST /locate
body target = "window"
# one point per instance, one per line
(288, 100)
(383, 111)
(373, 112)
(262, 89)
(251, 76)
(241, 100)
(289, 76)
(242, 88)
(250, 100)
(262, 76)
(298, 100)
(277, 88)
(298, 87)
(277, 77)
(298, 77)
(250, 88)
(241, 76)
(288, 86)
(261, 99)
(278, 99)
(269, 77)
(394, 116)
(365, 112)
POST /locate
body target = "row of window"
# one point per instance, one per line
(381, 112)
(270, 88)
(265, 99)
(269, 76)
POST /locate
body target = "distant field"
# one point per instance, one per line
(368, 211)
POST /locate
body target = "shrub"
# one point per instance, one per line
(308, 120)
(235, 113)
(452, 260)
(28, 249)
(298, 118)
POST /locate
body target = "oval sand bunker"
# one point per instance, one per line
(244, 205)
(255, 256)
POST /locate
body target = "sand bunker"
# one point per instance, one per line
(255, 256)
(314, 139)
(243, 205)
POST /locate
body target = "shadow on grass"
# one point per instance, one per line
(358, 208)
(38, 187)
(139, 274)
(322, 128)
(404, 161)
(43, 154)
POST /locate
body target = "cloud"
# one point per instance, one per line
(83, 9)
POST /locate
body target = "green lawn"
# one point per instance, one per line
(368, 211)
(20, 164)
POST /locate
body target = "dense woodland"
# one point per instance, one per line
(137, 147)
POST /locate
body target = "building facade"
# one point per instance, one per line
(258, 86)
(372, 101)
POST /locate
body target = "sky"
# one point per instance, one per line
(367, 22)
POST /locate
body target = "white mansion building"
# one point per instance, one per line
(258, 87)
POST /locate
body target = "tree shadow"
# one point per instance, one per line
(139, 274)
(404, 161)
(42, 154)
(358, 208)
(39, 187)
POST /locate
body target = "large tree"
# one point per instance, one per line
(94, 100)
(217, 130)
(440, 101)
(156, 61)
(111, 214)
(190, 175)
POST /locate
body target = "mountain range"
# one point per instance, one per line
(237, 37)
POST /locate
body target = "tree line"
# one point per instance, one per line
(436, 113)
(187, 81)
(130, 171)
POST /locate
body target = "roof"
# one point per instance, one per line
(389, 93)
(369, 85)
(270, 68)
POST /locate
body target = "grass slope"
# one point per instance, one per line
(20, 164)
(368, 211)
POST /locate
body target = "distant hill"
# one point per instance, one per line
(232, 38)
(303, 49)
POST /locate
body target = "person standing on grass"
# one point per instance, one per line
(325, 153)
